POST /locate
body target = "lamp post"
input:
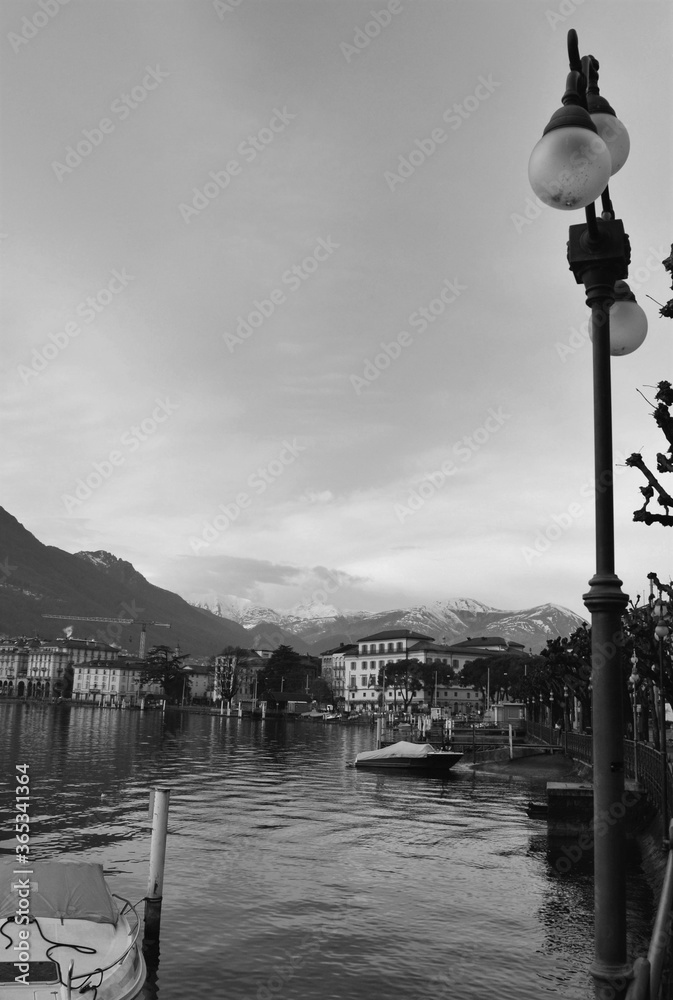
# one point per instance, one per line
(634, 681)
(566, 714)
(582, 146)
(661, 631)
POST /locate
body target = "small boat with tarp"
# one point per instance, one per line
(63, 934)
(403, 755)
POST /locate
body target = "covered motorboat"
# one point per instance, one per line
(409, 756)
(63, 935)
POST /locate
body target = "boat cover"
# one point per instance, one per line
(68, 890)
(400, 749)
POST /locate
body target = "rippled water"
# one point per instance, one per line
(289, 874)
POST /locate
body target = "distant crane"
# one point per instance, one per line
(119, 621)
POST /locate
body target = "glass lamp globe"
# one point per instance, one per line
(614, 135)
(628, 322)
(569, 168)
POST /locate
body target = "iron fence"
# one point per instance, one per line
(641, 761)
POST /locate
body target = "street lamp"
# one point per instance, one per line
(566, 714)
(634, 681)
(661, 631)
(570, 168)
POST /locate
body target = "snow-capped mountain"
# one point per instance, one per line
(321, 627)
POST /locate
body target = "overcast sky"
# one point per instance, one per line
(282, 318)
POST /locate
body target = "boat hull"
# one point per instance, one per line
(406, 756)
(439, 763)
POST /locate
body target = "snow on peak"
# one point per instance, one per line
(314, 609)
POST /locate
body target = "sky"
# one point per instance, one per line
(282, 318)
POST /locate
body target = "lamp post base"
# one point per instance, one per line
(611, 980)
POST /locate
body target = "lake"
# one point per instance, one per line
(291, 875)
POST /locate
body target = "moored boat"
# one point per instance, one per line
(63, 934)
(410, 757)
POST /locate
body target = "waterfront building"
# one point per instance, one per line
(113, 681)
(333, 668)
(34, 668)
(364, 660)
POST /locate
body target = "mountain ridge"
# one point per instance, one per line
(38, 579)
(450, 620)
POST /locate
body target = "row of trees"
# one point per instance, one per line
(286, 671)
(561, 674)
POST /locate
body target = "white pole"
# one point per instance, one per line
(511, 743)
(155, 882)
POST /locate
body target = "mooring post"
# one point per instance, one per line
(155, 882)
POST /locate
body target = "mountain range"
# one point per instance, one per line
(38, 580)
(322, 626)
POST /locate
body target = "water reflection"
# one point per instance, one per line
(291, 875)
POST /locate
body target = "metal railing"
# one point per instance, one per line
(645, 764)
(648, 973)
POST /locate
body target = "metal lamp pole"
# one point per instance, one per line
(660, 613)
(634, 681)
(570, 168)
